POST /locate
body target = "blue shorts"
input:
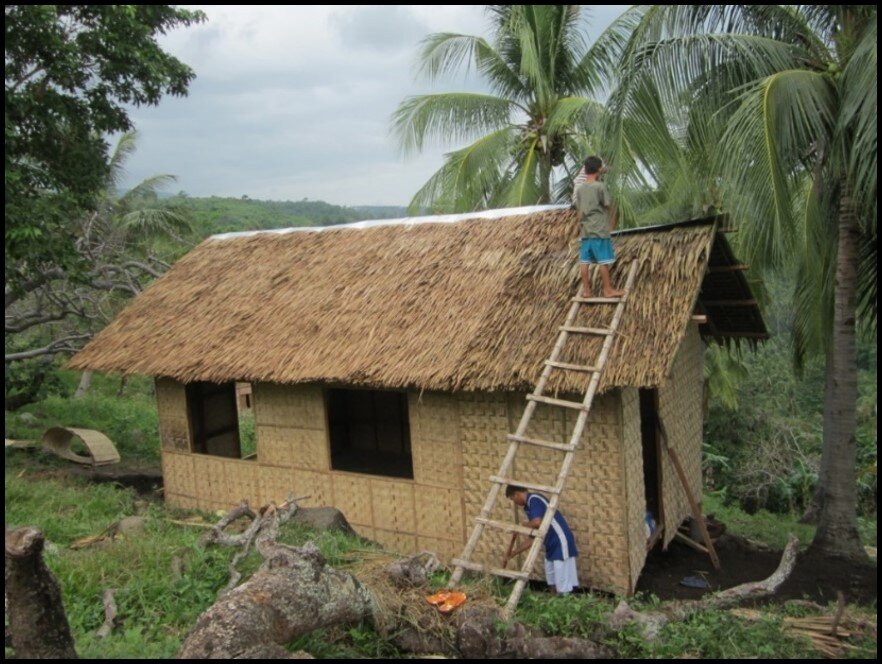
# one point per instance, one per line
(597, 250)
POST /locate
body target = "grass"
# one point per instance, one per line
(131, 422)
(771, 528)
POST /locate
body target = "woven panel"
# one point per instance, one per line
(680, 407)
(484, 423)
(274, 446)
(309, 448)
(439, 512)
(434, 435)
(171, 404)
(178, 474)
(396, 542)
(445, 549)
(297, 406)
(242, 482)
(393, 505)
(352, 496)
(277, 483)
(635, 483)
(603, 541)
(315, 485)
(211, 483)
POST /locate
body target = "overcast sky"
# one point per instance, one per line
(294, 102)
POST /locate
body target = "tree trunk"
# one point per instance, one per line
(85, 384)
(813, 509)
(37, 622)
(837, 532)
(123, 381)
(293, 593)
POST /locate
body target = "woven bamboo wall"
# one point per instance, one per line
(635, 484)
(293, 457)
(680, 407)
(171, 403)
(594, 501)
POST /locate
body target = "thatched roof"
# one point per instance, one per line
(473, 305)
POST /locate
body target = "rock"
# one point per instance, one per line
(323, 518)
(132, 524)
(272, 651)
(413, 571)
(420, 642)
(476, 633)
(27, 418)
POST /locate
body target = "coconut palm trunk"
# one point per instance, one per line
(837, 532)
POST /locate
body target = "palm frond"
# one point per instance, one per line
(857, 122)
(454, 116)
(778, 121)
(468, 176)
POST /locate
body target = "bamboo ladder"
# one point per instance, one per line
(501, 478)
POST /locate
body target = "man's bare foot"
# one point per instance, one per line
(585, 294)
(613, 293)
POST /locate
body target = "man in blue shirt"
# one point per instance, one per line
(560, 545)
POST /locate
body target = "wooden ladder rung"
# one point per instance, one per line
(541, 443)
(508, 526)
(602, 331)
(558, 402)
(571, 367)
(527, 485)
(597, 300)
(497, 571)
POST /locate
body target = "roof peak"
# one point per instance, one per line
(402, 221)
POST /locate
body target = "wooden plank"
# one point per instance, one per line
(693, 504)
(727, 268)
(496, 479)
(597, 300)
(563, 403)
(586, 330)
(563, 447)
(508, 526)
(571, 367)
(688, 541)
(495, 571)
(651, 542)
(698, 318)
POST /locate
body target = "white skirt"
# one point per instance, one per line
(562, 574)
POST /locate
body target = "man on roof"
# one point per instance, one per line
(560, 545)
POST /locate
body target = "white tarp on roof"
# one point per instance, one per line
(404, 221)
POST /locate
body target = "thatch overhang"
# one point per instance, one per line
(472, 305)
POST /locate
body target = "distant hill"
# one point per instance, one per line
(225, 215)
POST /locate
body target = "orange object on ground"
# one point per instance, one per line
(456, 599)
(438, 598)
(446, 600)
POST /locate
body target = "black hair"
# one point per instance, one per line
(512, 489)
(593, 164)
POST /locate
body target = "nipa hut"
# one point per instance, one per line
(388, 361)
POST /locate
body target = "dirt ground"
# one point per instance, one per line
(815, 578)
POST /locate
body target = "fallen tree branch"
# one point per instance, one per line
(652, 622)
(110, 613)
(293, 593)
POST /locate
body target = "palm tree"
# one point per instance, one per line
(534, 121)
(786, 95)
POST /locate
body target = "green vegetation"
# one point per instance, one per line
(157, 608)
(225, 215)
(130, 422)
(71, 72)
(539, 118)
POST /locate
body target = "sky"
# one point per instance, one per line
(295, 102)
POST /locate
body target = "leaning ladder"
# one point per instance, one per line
(502, 477)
